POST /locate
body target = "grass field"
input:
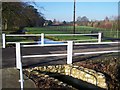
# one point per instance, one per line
(66, 30)
(69, 29)
(58, 30)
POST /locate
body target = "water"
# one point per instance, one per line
(76, 83)
(49, 41)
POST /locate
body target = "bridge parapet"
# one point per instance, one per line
(85, 74)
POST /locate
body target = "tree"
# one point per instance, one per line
(11, 13)
(78, 18)
(106, 19)
(64, 22)
(34, 17)
(50, 22)
(17, 14)
(54, 21)
(82, 20)
(119, 23)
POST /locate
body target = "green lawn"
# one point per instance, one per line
(46, 30)
(64, 30)
(69, 29)
(57, 30)
(20, 39)
(75, 37)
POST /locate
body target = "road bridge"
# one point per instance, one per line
(9, 58)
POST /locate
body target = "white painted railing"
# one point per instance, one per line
(20, 35)
(93, 43)
(71, 34)
(3, 40)
(69, 53)
(43, 37)
(19, 57)
(19, 64)
(69, 45)
(99, 37)
(97, 52)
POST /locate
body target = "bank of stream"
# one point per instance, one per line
(48, 80)
(107, 63)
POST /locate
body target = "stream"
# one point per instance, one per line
(49, 41)
(76, 83)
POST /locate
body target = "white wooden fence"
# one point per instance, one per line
(42, 35)
(69, 45)
(69, 53)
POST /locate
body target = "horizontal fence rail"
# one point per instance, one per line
(49, 55)
(96, 43)
(21, 35)
(19, 42)
(13, 35)
(97, 52)
(64, 44)
(71, 34)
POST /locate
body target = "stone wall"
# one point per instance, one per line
(81, 73)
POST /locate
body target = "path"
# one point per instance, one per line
(10, 80)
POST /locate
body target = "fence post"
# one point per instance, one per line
(99, 37)
(69, 52)
(18, 55)
(21, 77)
(42, 38)
(19, 63)
(3, 40)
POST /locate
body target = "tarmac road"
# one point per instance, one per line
(9, 54)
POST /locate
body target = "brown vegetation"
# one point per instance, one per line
(107, 64)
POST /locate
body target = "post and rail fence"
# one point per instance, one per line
(4, 42)
(69, 53)
(69, 45)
